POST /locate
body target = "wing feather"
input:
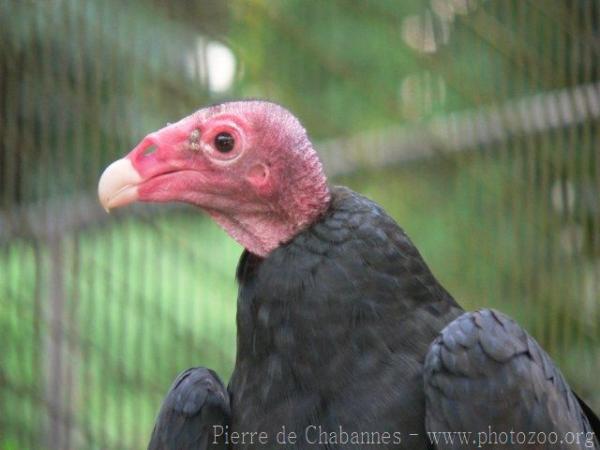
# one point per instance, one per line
(196, 402)
(485, 373)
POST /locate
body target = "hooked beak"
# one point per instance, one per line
(118, 185)
(124, 180)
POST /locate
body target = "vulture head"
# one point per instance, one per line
(248, 164)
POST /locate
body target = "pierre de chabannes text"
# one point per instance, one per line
(317, 435)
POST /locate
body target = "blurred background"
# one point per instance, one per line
(475, 123)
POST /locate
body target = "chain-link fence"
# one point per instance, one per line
(474, 122)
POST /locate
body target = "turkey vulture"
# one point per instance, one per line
(345, 338)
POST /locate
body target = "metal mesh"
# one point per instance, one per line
(473, 122)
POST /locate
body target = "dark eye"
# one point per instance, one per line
(224, 142)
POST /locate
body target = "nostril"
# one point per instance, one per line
(150, 150)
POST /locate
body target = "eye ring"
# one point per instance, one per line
(224, 142)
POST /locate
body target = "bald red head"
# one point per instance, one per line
(249, 164)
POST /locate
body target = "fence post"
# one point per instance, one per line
(56, 360)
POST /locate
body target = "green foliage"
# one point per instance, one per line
(337, 66)
(129, 332)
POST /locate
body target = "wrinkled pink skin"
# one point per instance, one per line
(263, 192)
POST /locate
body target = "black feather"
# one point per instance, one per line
(333, 328)
(196, 402)
(484, 373)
